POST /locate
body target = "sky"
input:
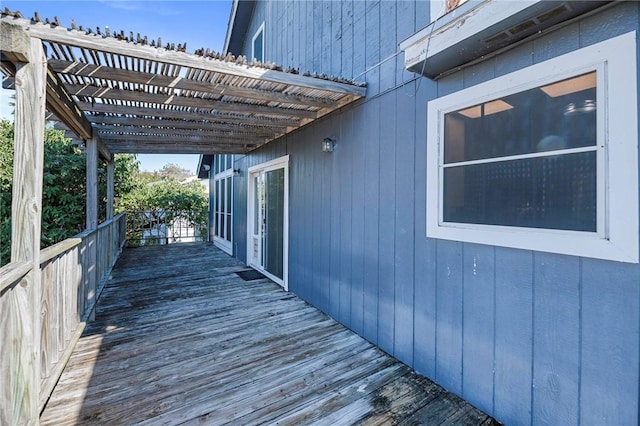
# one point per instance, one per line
(198, 23)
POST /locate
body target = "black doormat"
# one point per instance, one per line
(250, 275)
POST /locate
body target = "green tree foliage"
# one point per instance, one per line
(64, 190)
(173, 171)
(6, 176)
(163, 201)
(168, 171)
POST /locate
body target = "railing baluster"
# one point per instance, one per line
(166, 227)
(64, 296)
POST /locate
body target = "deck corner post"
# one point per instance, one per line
(110, 187)
(92, 183)
(90, 267)
(21, 310)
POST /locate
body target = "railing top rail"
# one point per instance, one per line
(13, 272)
(57, 249)
(104, 224)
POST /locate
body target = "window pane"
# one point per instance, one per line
(274, 220)
(223, 188)
(216, 231)
(555, 192)
(228, 183)
(561, 115)
(257, 47)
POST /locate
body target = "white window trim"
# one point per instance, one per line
(221, 243)
(278, 163)
(253, 42)
(617, 236)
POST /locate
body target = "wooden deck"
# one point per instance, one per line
(180, 338)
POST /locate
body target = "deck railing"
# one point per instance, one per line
(166, 226)
(73, 273)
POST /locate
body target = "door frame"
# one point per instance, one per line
(222, 244)
(275, 164)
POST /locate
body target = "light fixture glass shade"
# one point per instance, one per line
(328, 144)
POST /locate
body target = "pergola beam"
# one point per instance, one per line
(110, 139)
(62, 106)
(111, 123)
(186, 115)
(15, 43)
(137, 148)
(111, 45)
(169, 133)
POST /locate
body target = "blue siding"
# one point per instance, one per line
(513, 340)
(478, 319)
(344, 174)
(609, 353)
(371, 154)
(386, 225)
(531, 338)
(449, 315)
(404, 231)
(556, 373)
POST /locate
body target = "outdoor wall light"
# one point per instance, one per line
(328, 144)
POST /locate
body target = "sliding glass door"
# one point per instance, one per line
(268, 219)
(223, 203)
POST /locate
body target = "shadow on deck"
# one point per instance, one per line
(179, 337)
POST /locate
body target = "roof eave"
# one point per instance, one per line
(205, 160)
(241, 11)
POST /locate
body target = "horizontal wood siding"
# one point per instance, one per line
(528, 337)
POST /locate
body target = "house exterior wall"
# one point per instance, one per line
(528, 337)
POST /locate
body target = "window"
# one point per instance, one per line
(223, 202)
(544, 158)
(257, 44)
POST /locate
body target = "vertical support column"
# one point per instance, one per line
(20, 311)
(110, 188)
(111, 248)
(92, 183)
(91, 267)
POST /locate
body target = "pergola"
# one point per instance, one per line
(139, 96)
(120, 93)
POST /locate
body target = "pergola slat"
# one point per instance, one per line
(115, 74)
(137, 96)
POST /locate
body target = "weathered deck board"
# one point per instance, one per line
(179, 338)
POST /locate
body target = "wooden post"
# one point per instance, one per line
(110, 188)
(91, 268)
(20, 307)
(92, 183)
